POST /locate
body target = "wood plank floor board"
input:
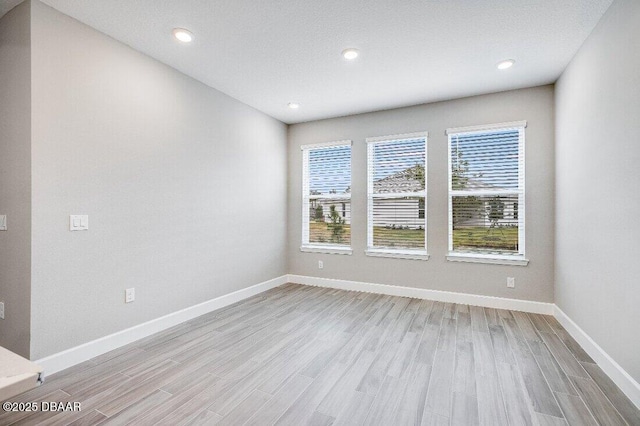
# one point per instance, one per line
(301, 355)
(501, 348)
(411, 407)
(384, 406)
(491, 408)
(601, 408)
(205, 418)
(440, 391)
(492, 316)
(577, 350)
(575, 412)
(529, 332)
(246, 409)
(540, 323)
(544, 420)
(567, 361)
(281, 401)
(333, 404)
(478, 319)
(131, 393)
(90, 401)
(421, 317)
(535, 383)
(555, 375)
(376, 373)
(404, 357)
(464, 410)
(91, 418)
(356, 409)
(139, 410)
(619, 400)
(514, 395)
(464, 377)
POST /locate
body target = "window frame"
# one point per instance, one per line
(518, 259)
(306, 246)
(402, 253)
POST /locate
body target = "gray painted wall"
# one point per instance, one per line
(597, 178)
(15, 178)
(533, 282)
(184, 186)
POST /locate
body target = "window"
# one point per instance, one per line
(486, 194)
(396, 196)
(326, 197)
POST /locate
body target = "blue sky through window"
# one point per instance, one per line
(330, 170)
(393, 157)
(491, 157)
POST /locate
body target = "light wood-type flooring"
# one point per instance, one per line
(300, 355)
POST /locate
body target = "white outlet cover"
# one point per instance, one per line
(3, 222)
(78, 222)
(511, 282)
(129, 295)
(1, 310)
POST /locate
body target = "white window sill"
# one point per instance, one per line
(398, 254)
(328, 249)
(491, 259)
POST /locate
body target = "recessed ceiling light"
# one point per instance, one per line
(506, 64)
(293, 105)
(350, 54)
(183, 35)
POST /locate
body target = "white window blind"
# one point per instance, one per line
(397, 195)
(326, 196)
(486, 191)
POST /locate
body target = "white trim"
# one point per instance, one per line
(328, 249)
(307, 196)
(398, 254)
(611, 368)
(321, 145)
(520, 193)
(372, 250)
(436, 295)
(70, 357)
(473, 129)
(496, 260)
(403, 136)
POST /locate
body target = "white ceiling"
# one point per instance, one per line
(267, 53)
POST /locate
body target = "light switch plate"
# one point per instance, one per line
(129, 295)
(78, 222)
(3, 222)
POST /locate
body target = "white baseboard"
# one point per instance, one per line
(620, 377)
(436, 295)
(70, 357)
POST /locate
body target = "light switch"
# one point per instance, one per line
(3, 222)
(78, 222)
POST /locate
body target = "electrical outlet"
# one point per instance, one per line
(3, 222)
(511, 282)
(129, 295)
(320, 264)
(1, 310)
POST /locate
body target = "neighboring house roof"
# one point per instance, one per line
(403, 181)
(406, 181)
